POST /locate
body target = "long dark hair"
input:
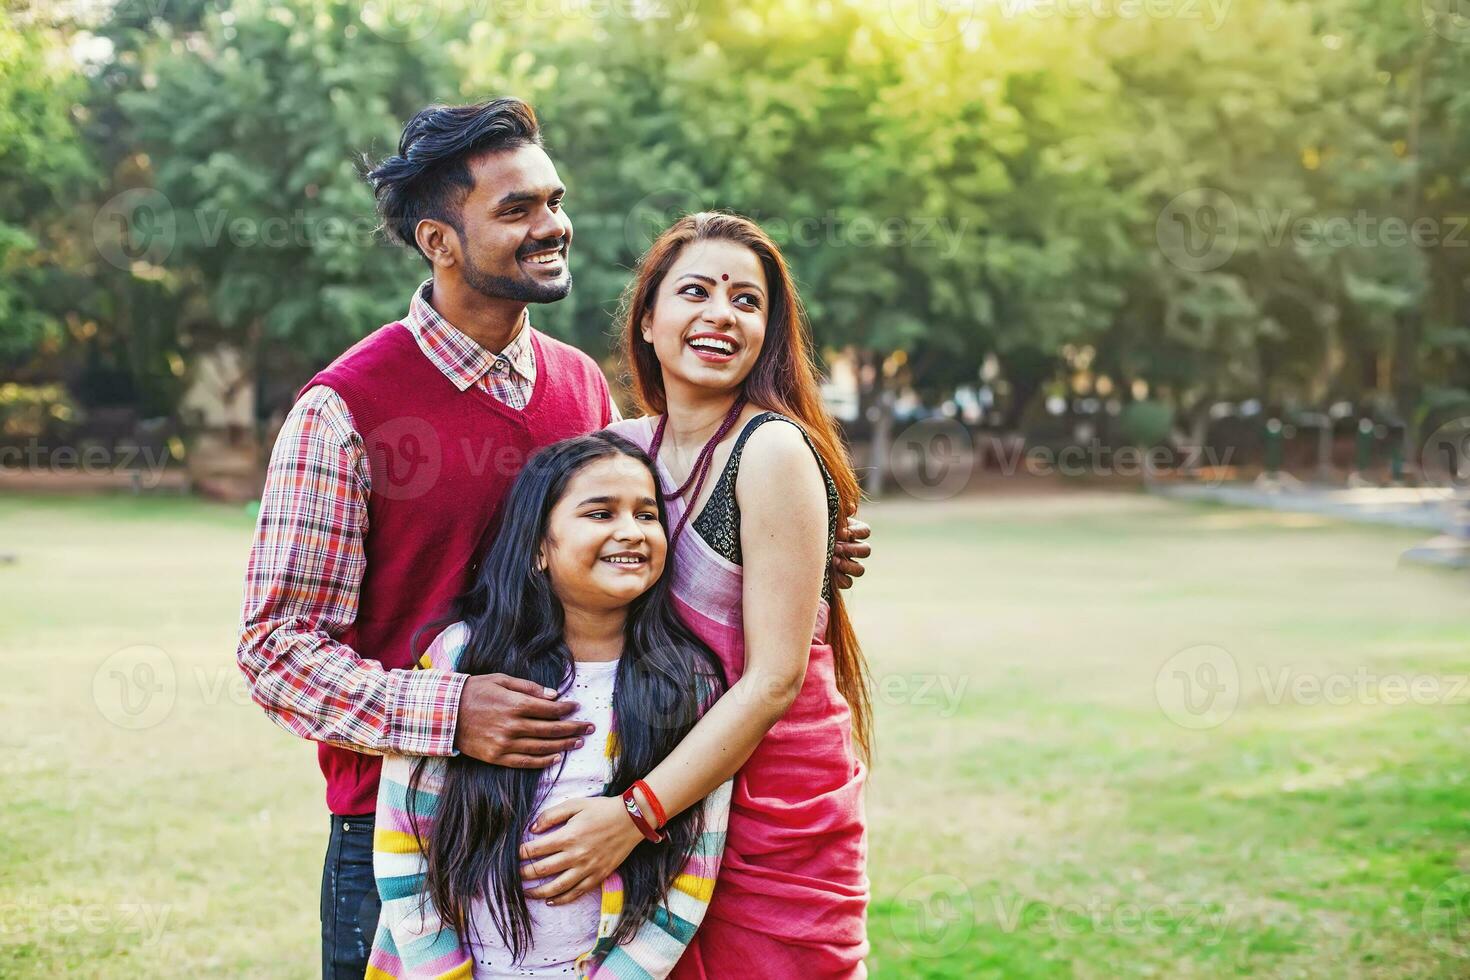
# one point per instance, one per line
(665, 678)
(784, 379)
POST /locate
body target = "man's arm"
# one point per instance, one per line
(301, 593)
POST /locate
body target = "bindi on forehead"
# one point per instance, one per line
(725, 276)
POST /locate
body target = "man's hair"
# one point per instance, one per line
(430, 175)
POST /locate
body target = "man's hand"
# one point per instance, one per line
(506, 721)
(595, 837)
(849, 551)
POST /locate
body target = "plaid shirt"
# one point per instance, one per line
(307, 562)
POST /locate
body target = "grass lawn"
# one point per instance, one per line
(1118, 736)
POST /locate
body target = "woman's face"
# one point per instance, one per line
(708, 320)
(604, 545)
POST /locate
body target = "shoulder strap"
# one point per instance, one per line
(760, 420)
(732, 465)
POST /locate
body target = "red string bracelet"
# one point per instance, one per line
(631, 805)
(659, 817)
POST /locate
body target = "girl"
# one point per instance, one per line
(756, 479)
(572, 596)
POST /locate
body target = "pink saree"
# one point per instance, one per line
(792, 893)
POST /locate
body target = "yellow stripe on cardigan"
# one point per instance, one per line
(612, 902)
(696, 887)
(462, 971)
(394, 841)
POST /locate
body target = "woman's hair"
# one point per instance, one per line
(665, 677)
(430, 175)
(784, 379)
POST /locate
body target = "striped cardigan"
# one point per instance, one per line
(411, 939)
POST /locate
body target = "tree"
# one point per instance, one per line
(257, 128)
(41, 166)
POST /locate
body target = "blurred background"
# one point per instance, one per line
(1148, 323)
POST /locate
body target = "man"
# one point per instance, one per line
(387, 478)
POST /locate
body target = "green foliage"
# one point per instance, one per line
(257, 129)
(41, 161)
(1010, 183)
(32, 411)
(1146, 423)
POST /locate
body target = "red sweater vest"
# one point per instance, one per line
(442, 461)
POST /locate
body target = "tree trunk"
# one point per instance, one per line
(1199, 430)
(1408, 326)
(1026, 370)
(875, 405)
(882, 439)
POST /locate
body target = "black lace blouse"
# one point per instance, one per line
(719, 522)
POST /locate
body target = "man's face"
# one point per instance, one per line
(516, 236)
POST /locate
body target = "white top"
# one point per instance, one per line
(559, 933)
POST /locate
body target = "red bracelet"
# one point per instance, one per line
(631, 805)
(659, 817)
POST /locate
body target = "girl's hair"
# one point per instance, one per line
(665, 677)
(784, 379)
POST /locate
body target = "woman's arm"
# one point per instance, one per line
(783, 539)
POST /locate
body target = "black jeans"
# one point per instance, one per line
(350, 903)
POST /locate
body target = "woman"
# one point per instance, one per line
(572, 595)
(756, 480)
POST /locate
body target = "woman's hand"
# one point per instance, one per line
(594, 840)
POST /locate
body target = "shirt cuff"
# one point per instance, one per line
(423, 710)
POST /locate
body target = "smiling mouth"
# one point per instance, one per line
(631, 561)
(712, 348)
(545, 259)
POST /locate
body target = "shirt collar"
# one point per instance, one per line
(459, 357)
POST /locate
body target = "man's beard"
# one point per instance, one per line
(521, 290)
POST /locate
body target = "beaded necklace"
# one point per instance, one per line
(702, 462)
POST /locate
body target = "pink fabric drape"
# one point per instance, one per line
(792, 895)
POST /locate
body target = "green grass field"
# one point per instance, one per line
(1117, 737)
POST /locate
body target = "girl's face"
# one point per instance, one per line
(708, 320)
(604, 545)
